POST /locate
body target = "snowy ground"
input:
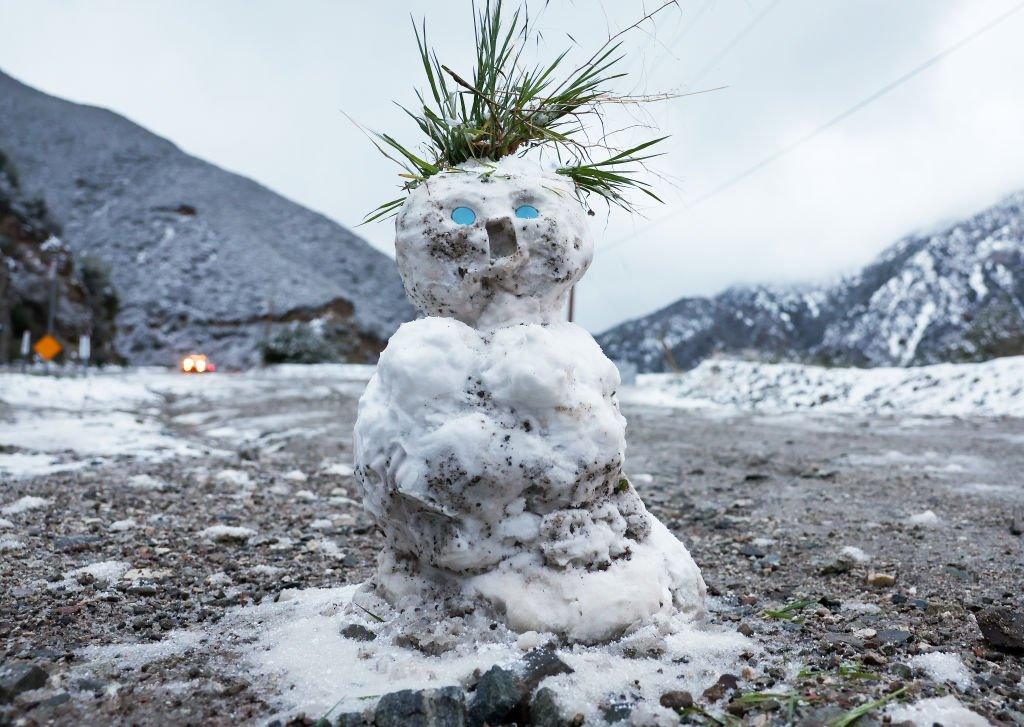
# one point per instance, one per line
(994, 388)
(175, 549)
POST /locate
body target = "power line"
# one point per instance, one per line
(778, 154)
(710, 65)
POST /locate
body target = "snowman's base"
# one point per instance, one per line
(300, 646)
(658, 582)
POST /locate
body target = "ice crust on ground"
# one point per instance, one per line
(489, 444)
(936, 710)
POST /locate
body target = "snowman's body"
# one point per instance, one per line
(489, 444)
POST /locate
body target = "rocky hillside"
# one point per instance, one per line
(955, 295)
(200, 259)
(30, 246)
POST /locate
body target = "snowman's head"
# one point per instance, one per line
(493, 244)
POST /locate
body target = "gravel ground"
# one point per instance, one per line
(767, 506)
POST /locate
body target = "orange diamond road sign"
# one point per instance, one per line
(47, 347)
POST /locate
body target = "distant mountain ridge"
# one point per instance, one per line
(952, 295)
(201, 259)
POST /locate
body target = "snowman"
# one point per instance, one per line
(489, 445)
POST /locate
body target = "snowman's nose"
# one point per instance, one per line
(501, 238)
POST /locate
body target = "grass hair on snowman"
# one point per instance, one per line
(506, 107)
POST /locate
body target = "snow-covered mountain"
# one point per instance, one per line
(953, 295)
(200, 258)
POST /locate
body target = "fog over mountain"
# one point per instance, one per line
(954, 294)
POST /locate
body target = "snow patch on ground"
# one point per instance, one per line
(926, 519)
(22, 464)
(7, 544)
(943, 667)
(993, 388)
(227, 533)
(24, 504)
(854, 554)
(105, 572)
(133, 656)
(937, 710)
(299, 648)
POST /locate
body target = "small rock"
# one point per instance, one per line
(676, 700)
(18, 678)
(725, 684)
(497, 694)
(745, 629)
(881, 580)
(1017, 523)
(443, 707)
(350, 719)
(544, 710)
(76, 543)
(357, 632)
(1002, 628)
(539, 664)
(892, 636)
(617, 711)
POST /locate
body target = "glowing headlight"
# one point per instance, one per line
(186, 364)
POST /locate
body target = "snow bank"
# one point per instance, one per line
(937, 710)
(993, 388)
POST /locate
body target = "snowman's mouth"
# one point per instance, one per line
(501, 238)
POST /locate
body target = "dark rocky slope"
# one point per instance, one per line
(200, 258)
(30, 246)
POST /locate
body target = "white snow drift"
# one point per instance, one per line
(993, 388)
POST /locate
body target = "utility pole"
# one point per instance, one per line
(52, 312)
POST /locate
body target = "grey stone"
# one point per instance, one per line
(544, 710)
(18, 678)
(357, 632)
(444, 707)
(1002, 628)
(539, 664)
(496, 696)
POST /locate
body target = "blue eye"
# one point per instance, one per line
(527, 212)
(463, 216)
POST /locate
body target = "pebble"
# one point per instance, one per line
(881, 580)
(544, 710)
(1002, 628)
(725, 684)
(20, 677)
(497, 694)
(357, 632)
(444, 707)
(676, 700)
(539, 664)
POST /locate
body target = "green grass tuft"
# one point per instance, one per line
(506, 107)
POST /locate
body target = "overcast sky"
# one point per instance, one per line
(258, 87)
